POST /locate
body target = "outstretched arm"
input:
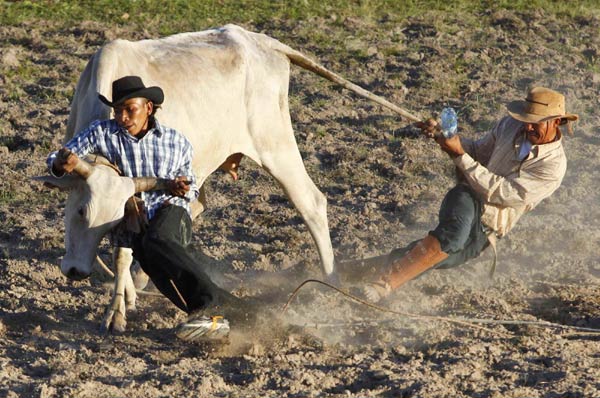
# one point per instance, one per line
(480, 149)
(64, 160)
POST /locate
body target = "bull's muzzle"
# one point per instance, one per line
(75, 274)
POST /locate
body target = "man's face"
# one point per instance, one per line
(542, 133)
(133, 115)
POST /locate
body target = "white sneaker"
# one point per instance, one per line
(203, 328)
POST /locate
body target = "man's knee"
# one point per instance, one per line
(172, 226)
(459, 202)
(157, 238)
(458, 215)
(453, 233)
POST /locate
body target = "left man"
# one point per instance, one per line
(141, 147)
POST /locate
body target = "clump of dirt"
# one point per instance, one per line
(384, 185)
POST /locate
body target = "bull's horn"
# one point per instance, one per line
(82, 168)
(143, 184)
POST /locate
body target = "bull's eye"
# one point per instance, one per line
(80, 211)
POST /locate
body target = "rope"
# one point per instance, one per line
(468, 322)
(383, 309)
(178, 293)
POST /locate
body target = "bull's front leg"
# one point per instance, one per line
(124, 295)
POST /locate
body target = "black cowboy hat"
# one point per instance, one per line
(132, 87)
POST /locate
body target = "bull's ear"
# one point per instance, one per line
(65, 183)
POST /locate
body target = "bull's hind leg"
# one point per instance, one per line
(287, 168)
(124, 294)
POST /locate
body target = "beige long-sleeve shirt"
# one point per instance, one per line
(508, 186)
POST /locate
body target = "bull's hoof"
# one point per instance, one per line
(139, 277)
(119, 327)
(114, 322)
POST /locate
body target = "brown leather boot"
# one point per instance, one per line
(419, 259)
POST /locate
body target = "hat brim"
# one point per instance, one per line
(154, 94)
(517, 109)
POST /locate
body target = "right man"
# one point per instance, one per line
(506, 173)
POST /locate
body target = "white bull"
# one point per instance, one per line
(226, 90)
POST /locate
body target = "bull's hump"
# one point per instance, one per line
(223, 38)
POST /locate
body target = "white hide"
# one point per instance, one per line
(226, 90)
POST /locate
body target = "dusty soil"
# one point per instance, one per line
(384, 185)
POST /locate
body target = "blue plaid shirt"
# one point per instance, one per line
(163, 153)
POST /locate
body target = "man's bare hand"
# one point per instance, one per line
(451, 146)
(64, 162)
(179, 186)
(429, 128)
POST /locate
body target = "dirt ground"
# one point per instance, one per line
(384, 185)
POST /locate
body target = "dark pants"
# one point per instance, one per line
(460, 231)
(163, 253)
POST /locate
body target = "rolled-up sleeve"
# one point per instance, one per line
(187, 170)
(482, 148)
(82, 144)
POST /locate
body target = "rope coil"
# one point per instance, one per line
(468, 322)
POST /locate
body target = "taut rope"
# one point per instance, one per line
(469, 322)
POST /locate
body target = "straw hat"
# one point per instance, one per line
(540, 105)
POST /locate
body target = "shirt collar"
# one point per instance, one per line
(539, 150)
(525, 149)
(158, 129)
(551, 146)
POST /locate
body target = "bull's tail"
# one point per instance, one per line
(297, 58)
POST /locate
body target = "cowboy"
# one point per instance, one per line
(141, 147)
(504, 175)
